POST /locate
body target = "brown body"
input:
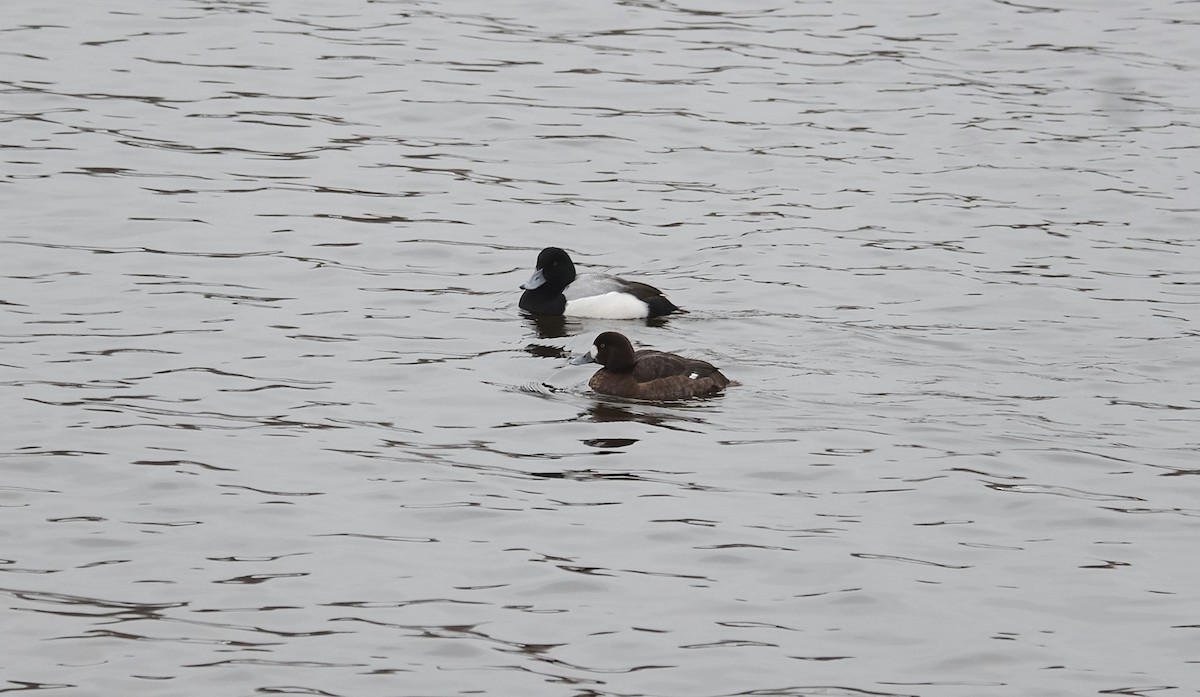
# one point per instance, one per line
(649, 374)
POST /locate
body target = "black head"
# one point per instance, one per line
(556, 268)
(544, 290)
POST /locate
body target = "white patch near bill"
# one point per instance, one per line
(595, 352)
(612, 305)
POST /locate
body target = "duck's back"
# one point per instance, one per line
(587, 285)
(612, 297)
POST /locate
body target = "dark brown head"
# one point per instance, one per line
(611, 350)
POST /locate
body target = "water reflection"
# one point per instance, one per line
(558, 327)
(605, 411)
(609, 444)
(85, 606)
(544, 351)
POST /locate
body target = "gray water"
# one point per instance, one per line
(273, 423)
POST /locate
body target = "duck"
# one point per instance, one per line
(646, 374)
(555, 289)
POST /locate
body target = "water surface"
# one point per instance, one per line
(274, 424)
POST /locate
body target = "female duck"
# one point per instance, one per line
(555, 289)
(648, 374)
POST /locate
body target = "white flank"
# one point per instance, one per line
(612, 305)
(694, 375)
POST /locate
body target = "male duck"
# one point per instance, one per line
(554, 289)
(648, 374)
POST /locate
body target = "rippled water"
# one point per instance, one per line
(274, 424)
